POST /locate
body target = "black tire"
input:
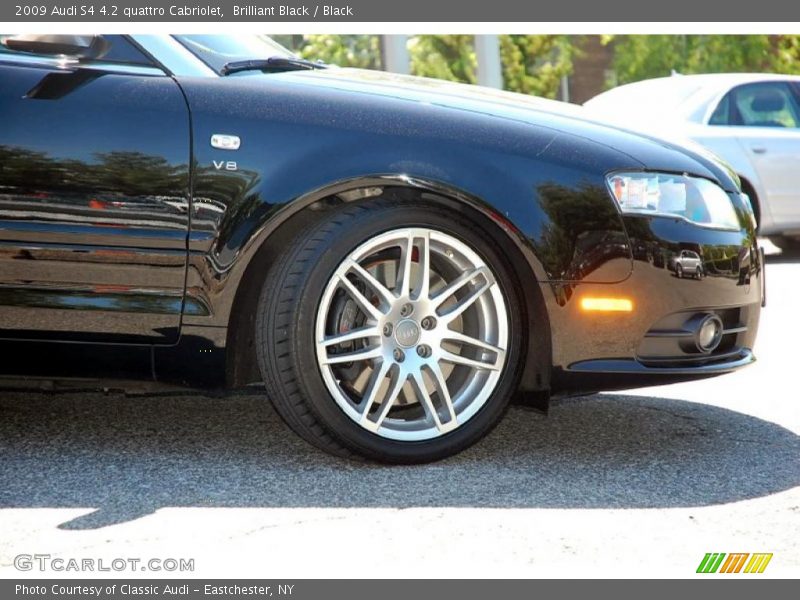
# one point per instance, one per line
(285, 332)
(679, 271)
(786, 243)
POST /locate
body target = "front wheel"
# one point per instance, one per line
(391, 332)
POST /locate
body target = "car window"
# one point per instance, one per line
(122, 51)
(772, 104)
(722, 114)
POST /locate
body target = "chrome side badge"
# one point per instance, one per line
(225, 165)
(225, 142)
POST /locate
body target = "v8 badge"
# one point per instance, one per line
(225, 165)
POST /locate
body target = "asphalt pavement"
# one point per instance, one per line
(629, 484)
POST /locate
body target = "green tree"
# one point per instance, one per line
(450, 57)
(639, 57)
(361, 51)
(532, 64)
(535, 64)
(787, 55)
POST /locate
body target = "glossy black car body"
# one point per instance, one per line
(121, 226)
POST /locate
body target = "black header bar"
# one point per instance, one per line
(389, 11)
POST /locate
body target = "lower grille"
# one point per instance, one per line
(672, 341)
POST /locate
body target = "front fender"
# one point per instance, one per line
(548, 188)
(554, 215)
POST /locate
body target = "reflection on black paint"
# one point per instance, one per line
(119, 188)
(223, 200)
(226, 207)
(130, 302)
(658, 249)
(583, 231)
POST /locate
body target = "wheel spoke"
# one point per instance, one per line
(424, 267)
(457, 359)
(373, 387)
(404, 268)
(388, 401)
(460, 338)
(464, 303)
(349, 336)
(379, 288)
(444, 394)
(358, 355)
(360, 298)
(458, 283)
(425, 399)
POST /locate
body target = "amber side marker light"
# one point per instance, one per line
(592, 304)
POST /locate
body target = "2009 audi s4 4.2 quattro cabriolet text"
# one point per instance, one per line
(392, 259)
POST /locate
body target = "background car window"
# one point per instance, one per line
(722, 115)
(122, 51)
(759, 105)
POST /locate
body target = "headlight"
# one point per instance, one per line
(692, 198)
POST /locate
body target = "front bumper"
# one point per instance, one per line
(648, 345)
(724, 364)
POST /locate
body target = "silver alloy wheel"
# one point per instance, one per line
(411, 334)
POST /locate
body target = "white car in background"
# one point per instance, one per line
(750, 120)
(687, 263)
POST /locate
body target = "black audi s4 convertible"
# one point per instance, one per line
(392, 260)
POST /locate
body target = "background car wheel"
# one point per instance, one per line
(392, 332)
(679, 271)
(786, 243)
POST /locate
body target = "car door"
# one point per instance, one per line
(765, 118)
(94, 197)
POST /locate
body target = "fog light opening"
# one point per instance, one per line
(708, 333)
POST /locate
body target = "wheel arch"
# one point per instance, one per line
(749, 189)
(522, 264)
